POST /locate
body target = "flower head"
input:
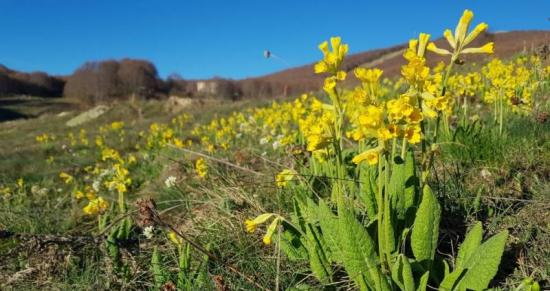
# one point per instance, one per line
(252, 224)
(371, 156)
(462, 38)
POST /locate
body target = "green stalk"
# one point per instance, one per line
(404, 148)
(380, 214)
(501, 115)
(387, 211)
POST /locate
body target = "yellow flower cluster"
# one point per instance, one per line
(512, 83)
(332, 59)
(201, 168)
(96, 206)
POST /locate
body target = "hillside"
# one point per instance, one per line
(390, 60)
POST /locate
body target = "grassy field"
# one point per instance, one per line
(69, 218)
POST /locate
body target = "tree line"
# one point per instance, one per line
(104, 81)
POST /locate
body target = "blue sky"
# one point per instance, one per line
(201, 39)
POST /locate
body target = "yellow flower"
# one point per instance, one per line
(371, 156)
(341, 75)
(20, 183)
(331, 59)
(384, 134)
(78, 194)
(488, 48)
(270, 230)
(413, 134)
(330, 85)
(201, 168)
(96, 206)
(116, 125)
(461, 39)
(372, 118)
(321, 67)
(286, 175)
(252, 224)
(368, 75)
(173, 237)
(66, 177)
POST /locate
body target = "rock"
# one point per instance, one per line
(176, 104)
(87, 116)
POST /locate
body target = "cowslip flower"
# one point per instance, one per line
(371, 156)
(174, 238)
(284, 177)
(66, 177)
(270, 230)
(331, 59)
(201, 168)
(462, 38)
(96, 206)
(252, 224)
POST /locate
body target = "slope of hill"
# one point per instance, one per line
(390, 59)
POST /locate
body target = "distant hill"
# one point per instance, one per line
(35, 83)
(390, 59)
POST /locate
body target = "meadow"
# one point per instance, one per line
(436, 180)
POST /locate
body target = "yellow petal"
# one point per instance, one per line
(371, 156)
(335, 42)
(324, 47)
(463, 25)
(486, 49)
(433, 48)
(413, 44)
(450, 38)
(472, 35)
(422, 42)
(271, 230)
(262, 218)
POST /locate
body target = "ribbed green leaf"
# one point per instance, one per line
(482, 266)
(402, 273)
(452, 279)
(329, 227)
(358, 252)
(367, 188)
(426, 228)
(317, 259)
(469, 245)
(423, 282)
(402, 187)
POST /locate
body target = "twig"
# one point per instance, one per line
(227, 163)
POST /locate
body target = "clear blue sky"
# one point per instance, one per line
(201, 39)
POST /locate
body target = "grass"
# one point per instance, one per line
(500, 180)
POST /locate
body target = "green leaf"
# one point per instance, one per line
(317, 259)
(482, 266)
(426, 228)
(351, 245)
(156, 267)
(469, 245)
(423, 282)
(450, 281)
(358, 251)
(367, 188)
(292, 241)
(402, 187)
(329, 226)
(402, 273)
